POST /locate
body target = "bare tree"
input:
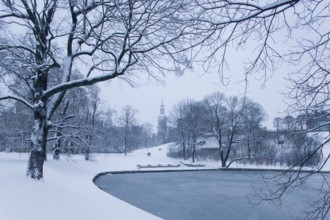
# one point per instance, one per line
(90, 119)
(105, 39)
(189, 117)
(15, 123)
(217, 113)
(254, 115)
(194, 119)
(127, 120)
(232, 121)
(289, 123)
(109, 137)
(278, 124)
(177, 117)
(59, 131)
(147, 133)
(73, 124)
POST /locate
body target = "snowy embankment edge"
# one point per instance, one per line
(206, 169)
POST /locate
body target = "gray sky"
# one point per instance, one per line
(196, 84)
(147, 98)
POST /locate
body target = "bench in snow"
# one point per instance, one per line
(193, 165)
(158, 166)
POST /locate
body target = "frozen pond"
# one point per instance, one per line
(207, 195)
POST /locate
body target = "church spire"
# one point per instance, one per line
(162, 108)
(162, 124)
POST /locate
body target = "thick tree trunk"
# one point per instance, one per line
(194, 149)
(35, 166)
(223, 160)
(38, 144)
(40, 80)
(221, 148)
(230, 144)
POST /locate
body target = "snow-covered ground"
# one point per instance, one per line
(67, 191)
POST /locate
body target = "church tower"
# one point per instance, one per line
(162, 124)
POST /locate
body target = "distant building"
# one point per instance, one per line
(162, 125)
(318, 122)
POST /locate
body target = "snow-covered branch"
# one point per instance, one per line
(248, 10)
(78, 83)
(17, 98)
(8, 47)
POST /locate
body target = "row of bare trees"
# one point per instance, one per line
(233, 126)
(229, 120)
(79, 126)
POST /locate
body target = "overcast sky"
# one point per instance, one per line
(196, 85)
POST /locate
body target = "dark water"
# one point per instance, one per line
(206, 195)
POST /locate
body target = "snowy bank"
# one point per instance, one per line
(67, 191)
